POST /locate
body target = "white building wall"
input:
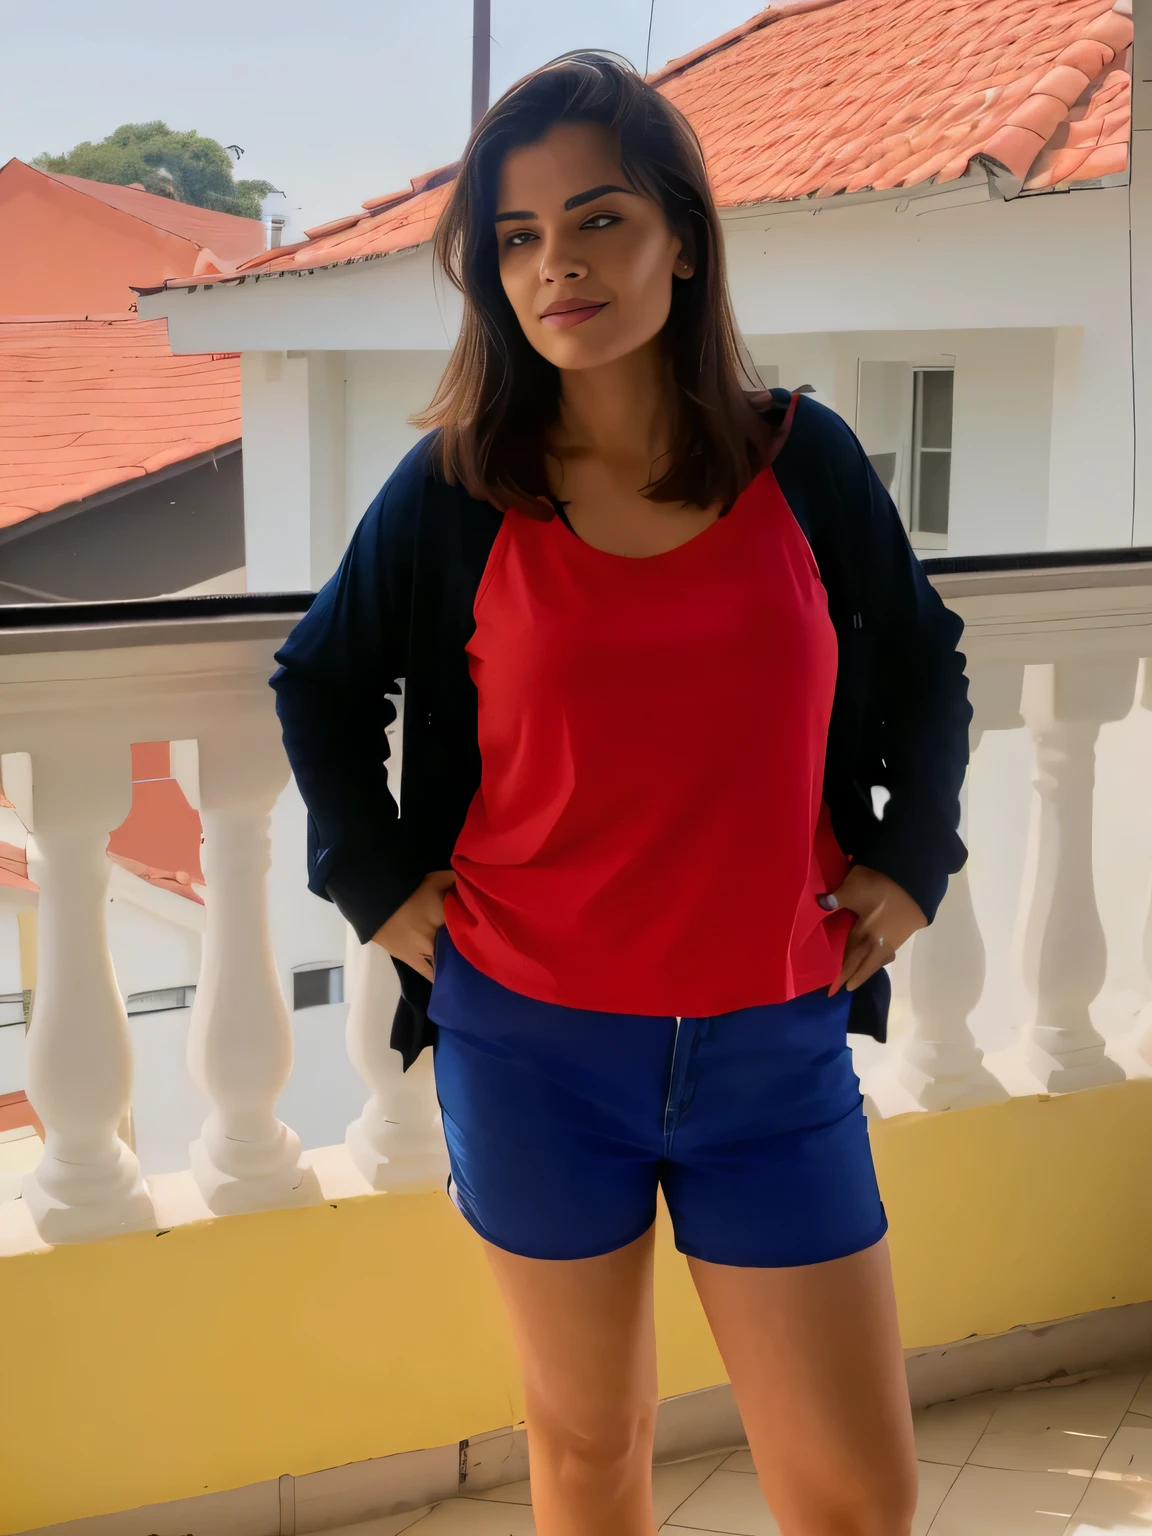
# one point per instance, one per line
(277, 513)
(384, 389)
(148, 952)
(1001, 417)
(293, 406)
(391, 303)
(1033, 298)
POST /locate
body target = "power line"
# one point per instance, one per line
(648, 48)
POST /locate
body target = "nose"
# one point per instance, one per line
(558, 265)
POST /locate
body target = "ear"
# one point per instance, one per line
(685, 263)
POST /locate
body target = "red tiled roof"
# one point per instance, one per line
(816, 98)
(178, 881)
(231, 237)
(14, 873)
(162, 831)
(14, 868)
(90, 404)
(16, 1112)
(159, 839)
(865, 95)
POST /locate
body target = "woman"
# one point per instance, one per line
(661, 637)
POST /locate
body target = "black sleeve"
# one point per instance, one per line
(918, 715)
(921, 702)
(336, 667)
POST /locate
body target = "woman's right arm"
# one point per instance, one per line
(337, 667)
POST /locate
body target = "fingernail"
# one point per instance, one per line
(828, 902)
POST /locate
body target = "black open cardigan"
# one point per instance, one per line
(400, 606)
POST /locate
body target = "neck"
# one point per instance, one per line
(620, 409)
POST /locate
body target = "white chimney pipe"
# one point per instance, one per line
(273, 222)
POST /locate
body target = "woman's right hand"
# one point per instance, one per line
(410, 931)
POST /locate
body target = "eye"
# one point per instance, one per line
(521, 237)
(601, 221)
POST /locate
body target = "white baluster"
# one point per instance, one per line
(1065, 703)
(240, 1035)
(88, 1183)
(397, 1143)
(941, 1064)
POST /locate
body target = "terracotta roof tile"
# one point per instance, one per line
(161, 833)
(16, 1113)
(14, 868)
(816, 98)
(90, 404)
(179, 881)
(333, 226)
(158, 841)
(14, 873)
(233, 238)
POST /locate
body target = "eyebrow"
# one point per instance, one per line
(573, 202)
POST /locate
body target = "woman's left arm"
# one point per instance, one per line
(918, 717)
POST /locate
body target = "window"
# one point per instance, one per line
(904, 421)
(12, 1006)
(315, 985)
(931, 450)
(162, 1001)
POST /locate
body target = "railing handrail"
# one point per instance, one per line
(1037, 560)
(208, 605)
(250, 605)
(212, 619)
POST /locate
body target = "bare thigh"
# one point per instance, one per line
(585, 1334)
(817, 1370)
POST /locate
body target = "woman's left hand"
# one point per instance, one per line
(886, 916)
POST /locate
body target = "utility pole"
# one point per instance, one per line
(481, 57)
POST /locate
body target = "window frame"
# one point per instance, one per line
(922, 538)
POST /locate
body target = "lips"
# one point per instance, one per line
(569, 312)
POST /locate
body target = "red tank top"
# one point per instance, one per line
(649, 835)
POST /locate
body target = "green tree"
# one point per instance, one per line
(181, 165)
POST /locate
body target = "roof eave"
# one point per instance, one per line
(238, 279)
(39, 520)
(976, 178)
(983, 176)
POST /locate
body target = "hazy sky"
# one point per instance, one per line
(332, 103)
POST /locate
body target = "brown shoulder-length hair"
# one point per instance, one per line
(498, 397)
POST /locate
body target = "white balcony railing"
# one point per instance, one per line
(1055, 655)
(73, 698)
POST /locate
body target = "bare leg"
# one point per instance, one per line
(817, 1369)
(585, 1334)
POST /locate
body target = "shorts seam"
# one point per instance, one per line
(568, 1258)
(690, 1251)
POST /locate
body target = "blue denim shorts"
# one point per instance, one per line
(561, 1124)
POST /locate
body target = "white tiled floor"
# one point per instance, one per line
(1070, 1460)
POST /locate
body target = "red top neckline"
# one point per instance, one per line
(724, 517)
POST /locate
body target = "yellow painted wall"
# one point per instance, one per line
(149, 1368)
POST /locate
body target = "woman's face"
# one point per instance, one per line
(587, 264)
